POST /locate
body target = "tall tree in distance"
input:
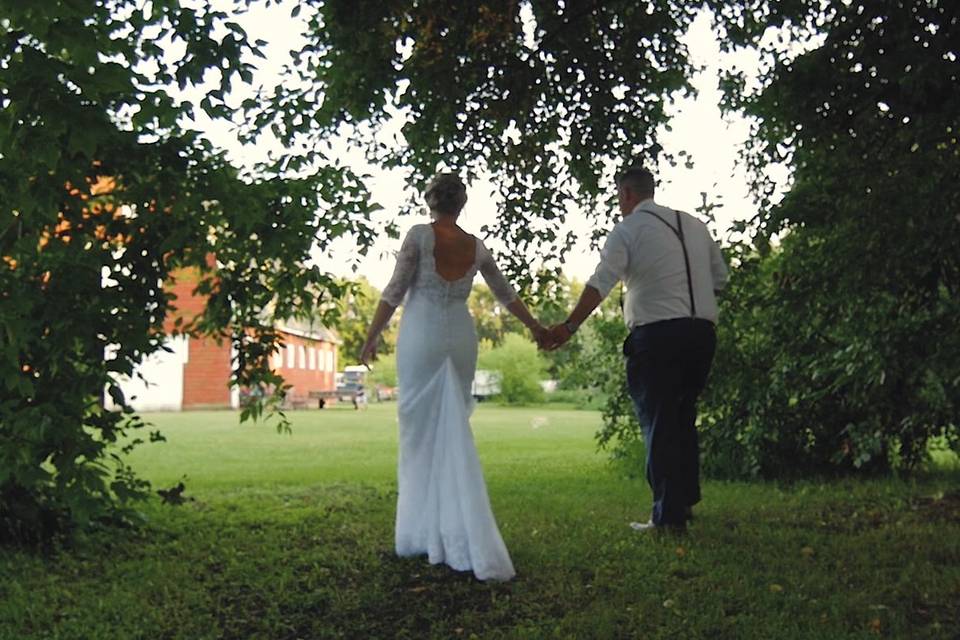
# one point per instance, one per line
(356, 309)
(553, 304)
(491, 319)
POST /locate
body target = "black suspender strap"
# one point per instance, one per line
(686, 258)
(686, 263)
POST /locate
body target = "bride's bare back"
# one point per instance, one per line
(454, 251)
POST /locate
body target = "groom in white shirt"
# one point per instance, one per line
(672, 269)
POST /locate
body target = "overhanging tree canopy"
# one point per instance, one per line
(546, 97)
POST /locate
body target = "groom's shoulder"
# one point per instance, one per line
(635, 225)
(696, 221)
(687, 218)
(624, 229)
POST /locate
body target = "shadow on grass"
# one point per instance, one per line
(804, 560)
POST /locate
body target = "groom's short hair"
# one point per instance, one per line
(637, 179)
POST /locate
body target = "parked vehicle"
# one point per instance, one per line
(486, 384)
(350, 381)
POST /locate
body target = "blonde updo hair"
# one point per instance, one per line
(446, 194)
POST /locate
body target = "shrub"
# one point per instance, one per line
(521, 368)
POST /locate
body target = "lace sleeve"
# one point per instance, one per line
(405, 270)
(501, 289)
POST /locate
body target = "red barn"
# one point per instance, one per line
(195, 374)
(308, 360)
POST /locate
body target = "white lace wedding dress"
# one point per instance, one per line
(443, 509)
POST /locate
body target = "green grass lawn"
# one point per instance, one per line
(291, 536)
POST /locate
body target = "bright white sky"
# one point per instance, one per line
(696, 127)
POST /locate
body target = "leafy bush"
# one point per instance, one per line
(809, 381)
(838, 350)
(384, 371)
(521, 369)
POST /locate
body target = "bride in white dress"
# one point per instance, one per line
(443, 509)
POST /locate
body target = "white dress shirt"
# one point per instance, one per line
(647, 256)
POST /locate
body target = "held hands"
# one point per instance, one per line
(539, 334)
(552, 338)
(556, 336)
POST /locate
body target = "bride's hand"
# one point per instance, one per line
(539, 334)
(369, 352)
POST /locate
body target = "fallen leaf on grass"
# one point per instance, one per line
(775, 588)
(681, 552)
(874, 625)
(807, 552)
(668, 603)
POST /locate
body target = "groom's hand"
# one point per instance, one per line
(545, 340)
(557, 336)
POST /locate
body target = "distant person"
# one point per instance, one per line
(672, 269)
(443, 509)
(361, 399)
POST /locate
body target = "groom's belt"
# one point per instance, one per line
(683, 319)
(673, 331)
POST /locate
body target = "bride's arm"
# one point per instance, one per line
(393, 293)
(518, 309)
(506, 294)
(380, 319)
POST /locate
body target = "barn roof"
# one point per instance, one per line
(310, 329)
